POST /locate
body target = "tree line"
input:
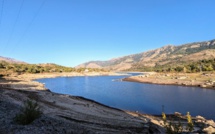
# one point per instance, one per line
(192, 67)
(7, 68)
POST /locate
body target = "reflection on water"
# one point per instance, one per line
(146, 98)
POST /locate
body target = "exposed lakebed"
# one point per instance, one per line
(144, 98)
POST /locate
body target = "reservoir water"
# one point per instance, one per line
(144, 98)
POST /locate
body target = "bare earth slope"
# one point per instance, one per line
(65, 114)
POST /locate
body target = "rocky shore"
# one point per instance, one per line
(71, 114)
(204, 80)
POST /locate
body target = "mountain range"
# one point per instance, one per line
(167, 55)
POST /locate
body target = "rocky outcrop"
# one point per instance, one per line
(181, 79)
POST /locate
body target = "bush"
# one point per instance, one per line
(29, 113)
(175, 128)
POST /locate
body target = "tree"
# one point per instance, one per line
(1, 65)
(210, 67)
(178, 69)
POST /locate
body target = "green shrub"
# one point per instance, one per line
(29, 113)
(175, 128)
(164, 117)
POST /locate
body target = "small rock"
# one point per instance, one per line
(145, 120)
(155, 121)
(177, 114)
(199, 121)
(200, 117)
(209, 130)
(161, 123)
(203, 85)
(208, 83)
(205, 74)
(146, 126)
(184, 84)
(210, 122)
(182, 77)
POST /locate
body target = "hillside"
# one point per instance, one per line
(167, 55)
(11, 60)
(18, 68)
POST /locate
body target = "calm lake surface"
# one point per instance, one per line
(144, 98)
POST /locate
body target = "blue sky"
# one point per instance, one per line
(70, 32)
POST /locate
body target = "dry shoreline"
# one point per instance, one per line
(204, 80)
(71, 114)
(64, 113)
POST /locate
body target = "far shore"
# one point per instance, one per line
(204, 79)
(26, 81)
(72, 74)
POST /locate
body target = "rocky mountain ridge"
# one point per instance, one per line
(169, 54)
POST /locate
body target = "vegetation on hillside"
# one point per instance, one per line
(202, 65)
(190, 49)
(8, 68)
(146, 61)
